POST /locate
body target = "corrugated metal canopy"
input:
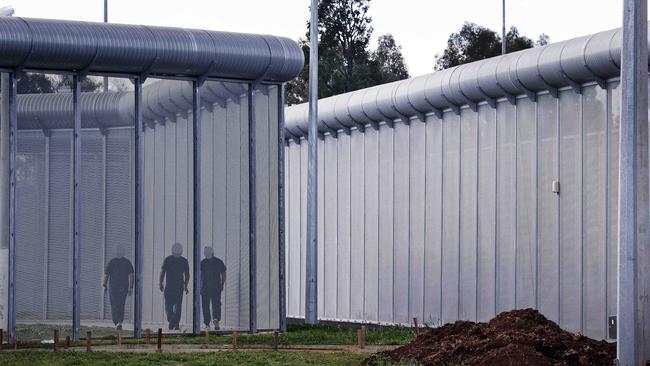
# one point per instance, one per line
(593, 58)
(74, 46)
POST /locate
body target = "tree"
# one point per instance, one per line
(37, 83)
(389, 60)
(345, 62)
(474, 42)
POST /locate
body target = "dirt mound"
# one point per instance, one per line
(518, 337)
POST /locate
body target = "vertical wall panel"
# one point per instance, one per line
(434, 214)
(321, 230)
(594, 210)
(486, 212)
(330, 280)
(386, 224)
(614, 120)
(401, 237)
(357, 225)
(371, 224)
(417, 182)
(468, 219)
(295, 242)
(304, 164)
(451, 166)
(506, 208)
(263, 196)
(274, 218)
(526, 239)
(343, 217)
(547, 207)
(570, 211)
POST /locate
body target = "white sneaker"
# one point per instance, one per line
(216, 324)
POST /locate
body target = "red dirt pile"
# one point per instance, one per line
(518, 337)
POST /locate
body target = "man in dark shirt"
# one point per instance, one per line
(177, 270)
(120, 274)
(213, 277)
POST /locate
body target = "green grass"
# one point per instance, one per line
(297, 334)
(215, 358)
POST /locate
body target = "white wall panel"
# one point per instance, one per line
(343, 227)
(434, 218)
(468, 210)
(330, 171)
(386, 224)
(357, 225)
(401, 219)
(548, 207)
(487, 220)
(451, 217)
(417, 223)
(371, 224)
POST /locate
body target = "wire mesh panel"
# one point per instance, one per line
(224, 206)
(44, 209)
(106, 208)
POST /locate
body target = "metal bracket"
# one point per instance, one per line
(421, 116)
(574, 85)
(453, 106)
(490, 101)
(390, 123)
(511, 98)
(360, 126)
(145, 74)
(203, 77)
(374, 125)
(472, 104)
(551, 89)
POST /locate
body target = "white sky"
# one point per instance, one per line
(420, 26)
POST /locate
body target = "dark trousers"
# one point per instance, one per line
(118, 298)
(173, 304)
(211, 296)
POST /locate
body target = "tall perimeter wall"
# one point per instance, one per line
(435, 193)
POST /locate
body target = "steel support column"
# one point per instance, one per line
(76, 205)
(196, 195)
(12, 139)
(632, 297)
(138, 200)
(281, 243)
(311, 290)
(252, 209)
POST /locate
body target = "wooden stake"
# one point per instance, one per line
(1, 340)
(234, 340)
(56, 340)
(148, 339)
(417, 327)
(276, 340)
(15, 344)
(159, 349)
(207, 337)
(361, 337)
(89, 337)
(67, 342)
(119, 338)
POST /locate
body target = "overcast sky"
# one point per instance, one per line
(420, 26)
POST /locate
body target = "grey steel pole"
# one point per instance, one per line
(503, 28)
(252, 209)
(196, 196)
(139, 204)
(281, 208)
(633, 186)
(76, 205)
(311, 292)
(105, 21)
(9, 139)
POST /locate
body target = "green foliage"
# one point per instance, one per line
(345, 62)
(37, 83)
(211, 358)
(474, 42)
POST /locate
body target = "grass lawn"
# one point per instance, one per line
(297, 334)
(216, 358)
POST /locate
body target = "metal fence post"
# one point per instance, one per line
(139, 243)
(311, 290)
(633, 186)
(196, 195)
(76, 205)
(281, 218)
(252, 212)
(13, 131)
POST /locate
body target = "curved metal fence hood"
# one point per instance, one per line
(86, 47)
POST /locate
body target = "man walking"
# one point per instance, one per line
(120, 274)
(213, 277)
(177, 270)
